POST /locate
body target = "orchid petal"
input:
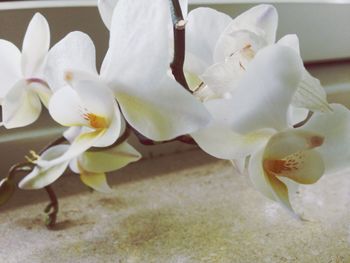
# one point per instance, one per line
(260, 19)
(290, 154)
(110, 159)
(281, 192)
(184, 7)
(71, 133)
(96, 97)
(222, 77)
(39, 178)
(131, 63)
(96, 181)
(219, 140)
(66, 108)
(231, 45)
(81, 143)
(311, 95)
(113, 131)
(21, 106)
(43, 92)
(158, 115)
(106, 8)
(36, 44)
(73, 54)
(268, 185)
(308, 167)
(202, 31)
(262, 97)
(240, 164)
(257, 175)
(335, 127)
(292, 141)
(291, 41)
(9, 67)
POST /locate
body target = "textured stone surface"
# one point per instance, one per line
(179, 208)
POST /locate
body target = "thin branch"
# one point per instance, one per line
(308, 117)
(179, 43)
(146, 141)
(51, 209)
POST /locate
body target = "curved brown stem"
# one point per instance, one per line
(51, 209)
(179, 43)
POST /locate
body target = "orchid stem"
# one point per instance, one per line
(51, 209)
(179, 43)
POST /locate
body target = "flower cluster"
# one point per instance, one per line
(249, 97)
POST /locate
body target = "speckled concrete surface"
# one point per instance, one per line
(180, 208)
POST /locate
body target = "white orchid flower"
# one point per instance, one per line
(44, 176)
(91, 166)
(255, 119)
(219, 51)
(136, 70)
(22, 87)
(90, 105)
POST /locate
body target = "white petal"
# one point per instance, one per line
(106, 8)
(260, 19)
(113, 131)
(291, 154)
(71, 133)
(36, 44)
(74, 53)
(138, 58)
(82, 143)
(307, 167)
(267, 184)
(10, 66)
(158, 115)
(335, 127)
(96, 181)
(66, 108)
(291, 41)
(43, 92)
(40, 178)
(230, 45)
(184, 7)
(110, 159)
(262, 97)
(222, 77)
(258, 176)
(240, 164)
(291, 141)
(96, 98)
(219, 140)
(73, 166)
(21, 106)
(311, 95)
(202, 32)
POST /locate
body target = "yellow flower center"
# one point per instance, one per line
(97, 122)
